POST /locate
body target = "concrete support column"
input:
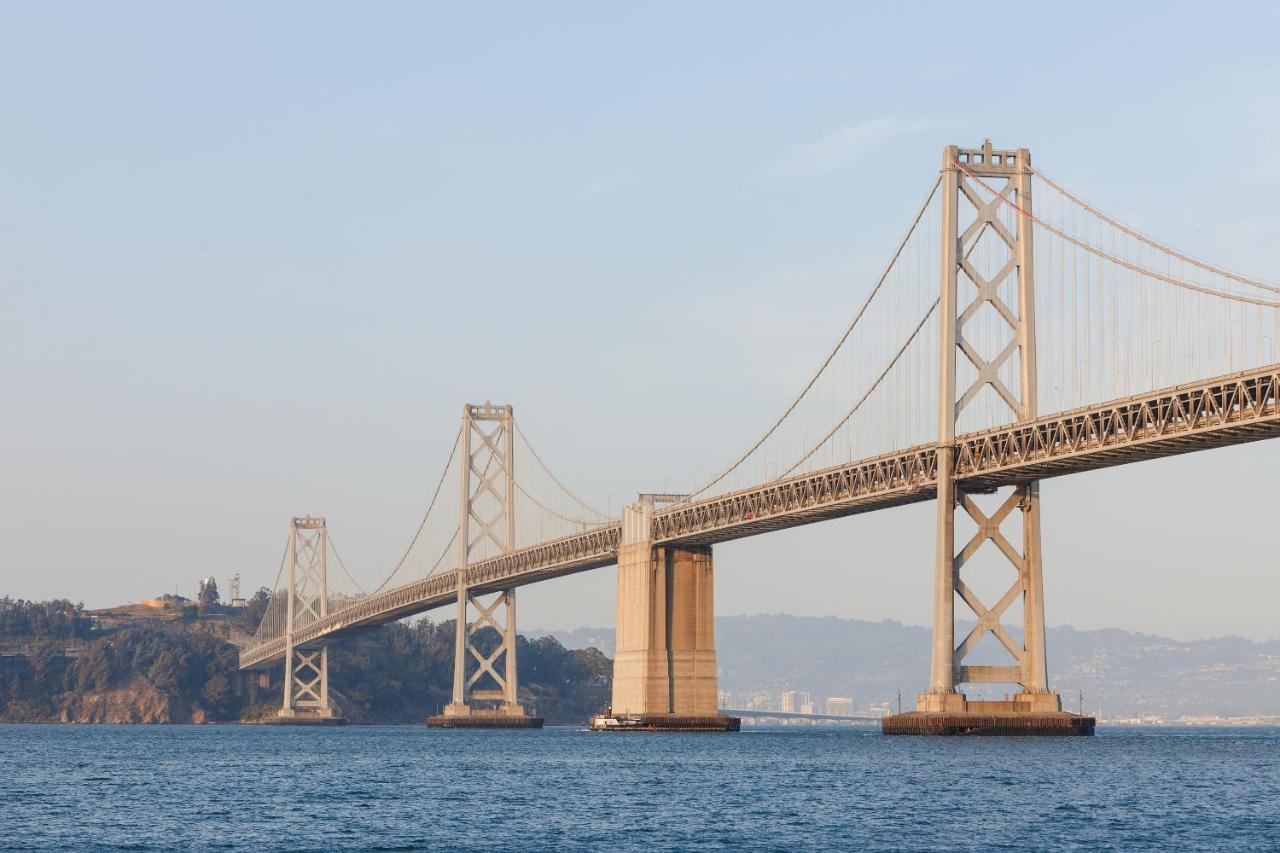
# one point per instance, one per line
(291, 559)
(665, 659)
(941, 694)
(639, 663)
(942, 669)
(460, 644)
(691, 648)
(286, 710)
(324, 680)
(1035, 670)
(1035, 677)
(458, 705)
(511, 684)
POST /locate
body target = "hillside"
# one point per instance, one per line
(171, 661)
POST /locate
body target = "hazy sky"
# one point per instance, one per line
(253, 257)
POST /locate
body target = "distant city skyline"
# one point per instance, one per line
(1120, 673)
(248, 273)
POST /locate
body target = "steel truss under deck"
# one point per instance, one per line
(1226, 410)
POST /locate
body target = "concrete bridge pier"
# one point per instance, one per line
(664, 668)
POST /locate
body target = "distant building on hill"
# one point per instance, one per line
(840, 706)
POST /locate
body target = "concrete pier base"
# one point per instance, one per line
(1039, 725)
(458, 716)
(665, 723)
(305, 718)
(1034, 714)
(484, 721)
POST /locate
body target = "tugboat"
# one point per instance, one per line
(607, 722)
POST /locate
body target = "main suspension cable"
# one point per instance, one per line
(275, 588)
(867, 393)
(334, 548)
(830, 356)
(579, 501)
(1143, 271)
(425, 515)
(540, 505)
(1153, 243)
(447, 548)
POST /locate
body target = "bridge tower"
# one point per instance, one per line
(306, 669)
(967, 375)
(488, 696)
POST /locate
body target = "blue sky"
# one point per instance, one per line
(254, 256)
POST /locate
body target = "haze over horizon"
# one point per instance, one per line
(249, 273)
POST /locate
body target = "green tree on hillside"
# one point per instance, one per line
(255, 608)
(217, 696)
(38, 619)
(208, 594)
(94, 668)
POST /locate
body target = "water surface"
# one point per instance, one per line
(412, 788)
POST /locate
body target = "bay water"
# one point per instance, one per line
(788, 788)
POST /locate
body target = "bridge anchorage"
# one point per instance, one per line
(1001, 346)
(664, 665)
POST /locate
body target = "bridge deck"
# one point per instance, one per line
(1233, 409)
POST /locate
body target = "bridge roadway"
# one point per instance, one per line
(1227, 410)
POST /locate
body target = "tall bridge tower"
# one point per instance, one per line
(306, 669)
(488, 693)
(987, 267)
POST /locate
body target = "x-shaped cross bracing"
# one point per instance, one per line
(485, 616)
(988, 293)
(989, 617)
(485, 479)
(307, 676)
(308, 586)
(486, 665)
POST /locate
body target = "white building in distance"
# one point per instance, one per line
(794, 700)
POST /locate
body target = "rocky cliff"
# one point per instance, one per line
(139, 701)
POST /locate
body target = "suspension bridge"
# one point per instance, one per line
(1016, 334)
